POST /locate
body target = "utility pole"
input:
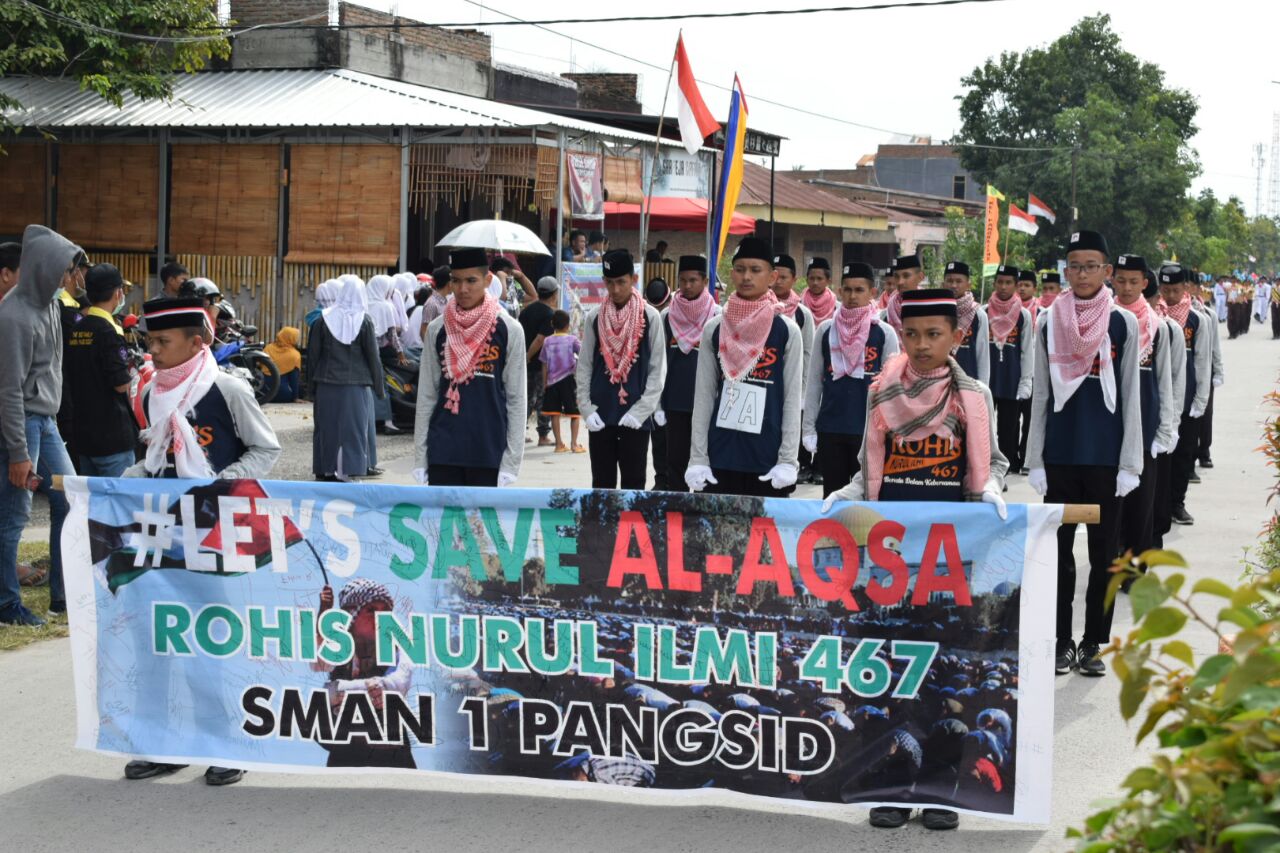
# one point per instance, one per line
(1273, 198)
(1258, 163)
(1075, 159)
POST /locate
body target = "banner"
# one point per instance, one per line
(583, 174)
(881, 654)
(679, 175)
(991, 235)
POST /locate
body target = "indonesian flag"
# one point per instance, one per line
(696, 122)
(1036, 207)
(1019, 221)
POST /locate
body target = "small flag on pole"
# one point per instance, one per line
(735, 143)
(1036, 207)
(696, 121)
(1020, 221)
(992, 191)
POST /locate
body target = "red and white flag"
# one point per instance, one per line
(1036, 207)
(1020, 221)
(696, 121)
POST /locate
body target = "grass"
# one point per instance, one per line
(36, 598)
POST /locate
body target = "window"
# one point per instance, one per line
(958, 183)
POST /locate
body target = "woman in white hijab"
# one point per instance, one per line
(344, 373)
(385, 321)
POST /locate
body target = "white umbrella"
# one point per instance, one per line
(495, 234)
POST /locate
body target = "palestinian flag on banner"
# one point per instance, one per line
(114, 547)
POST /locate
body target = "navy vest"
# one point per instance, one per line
(1084, 432)
(844, 400)
(682, 373)
(931, 469)
(604, 394)
(1189, 333)
(1006, 364)
(476, 437)
(966, 354)
(733, 450)
(215, 431)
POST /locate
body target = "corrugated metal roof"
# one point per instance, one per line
(280, 98)
(796, 195)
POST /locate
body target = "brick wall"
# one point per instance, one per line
(616, 92)
(254, 12)
(468, 44)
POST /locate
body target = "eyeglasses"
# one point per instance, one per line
(1076, 269)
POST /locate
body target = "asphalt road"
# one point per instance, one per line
(53, 797)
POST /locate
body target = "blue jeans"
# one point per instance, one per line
(48, 456)
(111, 465)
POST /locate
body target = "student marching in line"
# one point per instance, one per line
(930, 436)
(1031, 301)
(973, 353)
(682, 324)
(469, 428)
(620, 377)
(907, 275)
(793, 307)
(1205, 440)
(1155, 389)
(1086, 433)
(851, 349)
(658, 294)
(1197, 335)
(1162, 508)
(1012, 355)
(818, 298)
(746, 410)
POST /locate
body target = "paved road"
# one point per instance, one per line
(53, 797)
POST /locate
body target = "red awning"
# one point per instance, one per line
(668, 214)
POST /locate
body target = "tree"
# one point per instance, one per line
(1088, 102)
(95, 43)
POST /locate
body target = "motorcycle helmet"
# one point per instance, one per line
(203, 288)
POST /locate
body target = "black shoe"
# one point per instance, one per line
(1194, 478)
(1181, 516)
(940, 819)
(374, 471)
(222, 776)
(57, 607)
(1089, 664)
(149, 769)
(804, 474)
(815, 477)
(1206, 462)
(889, 817)
(21, 616)
(1065, 659)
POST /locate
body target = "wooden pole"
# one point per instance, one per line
(653, 168)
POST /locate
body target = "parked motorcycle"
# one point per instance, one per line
(402, 391)
(236, 352)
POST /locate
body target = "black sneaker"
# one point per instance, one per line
(1065, 660)
(1088, 662)
(1206, 462)
(889, 817)
(222, 776)
(57, 607)
(939, 819)
(21, 616)
(1194, 478)
(136, 770)
(1181, 516)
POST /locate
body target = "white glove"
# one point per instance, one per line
(1218, 380)
(991, 495)
(781, 476)
(1157, 448)
(593, 422)
(810, 442)
(420, 474)
(629, 421)
(1126, 483)
(505, 479)
(1039, 482)
(1196, 412)
(1024, 395)
(660, 418)
(697, 477)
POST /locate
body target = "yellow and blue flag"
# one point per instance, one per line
(735, 142)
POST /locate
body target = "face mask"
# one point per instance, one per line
(119, 309)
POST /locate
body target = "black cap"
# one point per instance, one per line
(819, 264)
(1152, 288)
(1088, 241)
(906, 262)
(656, 292)
(1007, 269)
(692, 263)
(101, 281)
(618, 262)
(929, 302)
(1027, 275)
(785, 261)
(465, 259)
(1051, 278)
(956, 268)
(1173, 274)
(165, 313)
(858, 269)
(753, 248)
(1133, 263)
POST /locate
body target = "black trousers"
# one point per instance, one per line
(837, 459)
(1206, 428)
(1007, 431)
(534, 392)
(679, 441)
(1162, 505)
(741, 483)
(1086, 484)
(1275, 320)
(617, 450)
(457, 475)
(660, 471)
(1184, 459)
(1137, 514)
(1024, 413)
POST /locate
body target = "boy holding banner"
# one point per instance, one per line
(1086, 433)
(746, 410)
(973, 353)
(930, 436)
(1011, 360)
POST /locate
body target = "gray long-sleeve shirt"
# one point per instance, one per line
(982, 345)
(1166, 350)
(1215, 337)
(1204, 349)
(707, 396)
(514, 386)
(813, 382)
(651, 399)
(1177, 379)
(808, 332)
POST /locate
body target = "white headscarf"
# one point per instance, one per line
(405, 284)
(327, 293)
(345, 317)
(381, 310)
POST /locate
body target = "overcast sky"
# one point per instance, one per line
(899, 70)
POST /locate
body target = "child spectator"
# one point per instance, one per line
(559, 356)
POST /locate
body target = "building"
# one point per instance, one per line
(918, 167)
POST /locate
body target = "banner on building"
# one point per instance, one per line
(584, 176)
(881, 654)
(679, 175)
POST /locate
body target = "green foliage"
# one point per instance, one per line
(111, 66)
(964, 243)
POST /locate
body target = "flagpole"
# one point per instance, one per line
(653, 168)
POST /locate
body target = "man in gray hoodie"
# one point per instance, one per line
(31, 450)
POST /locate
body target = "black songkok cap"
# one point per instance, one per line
(930, 302)
(858, 269)
(618, 262)
(1051, 278)
(465, 259)
(165, 313)
(656, 292)
(1173, 274)
(1027, 275)
(1007, 269)
(753, 248)
(957, 268)
(906, 262)
(1088, 241)
(785, 261)
(692, 263)
(819, 264)
(1134, 263)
